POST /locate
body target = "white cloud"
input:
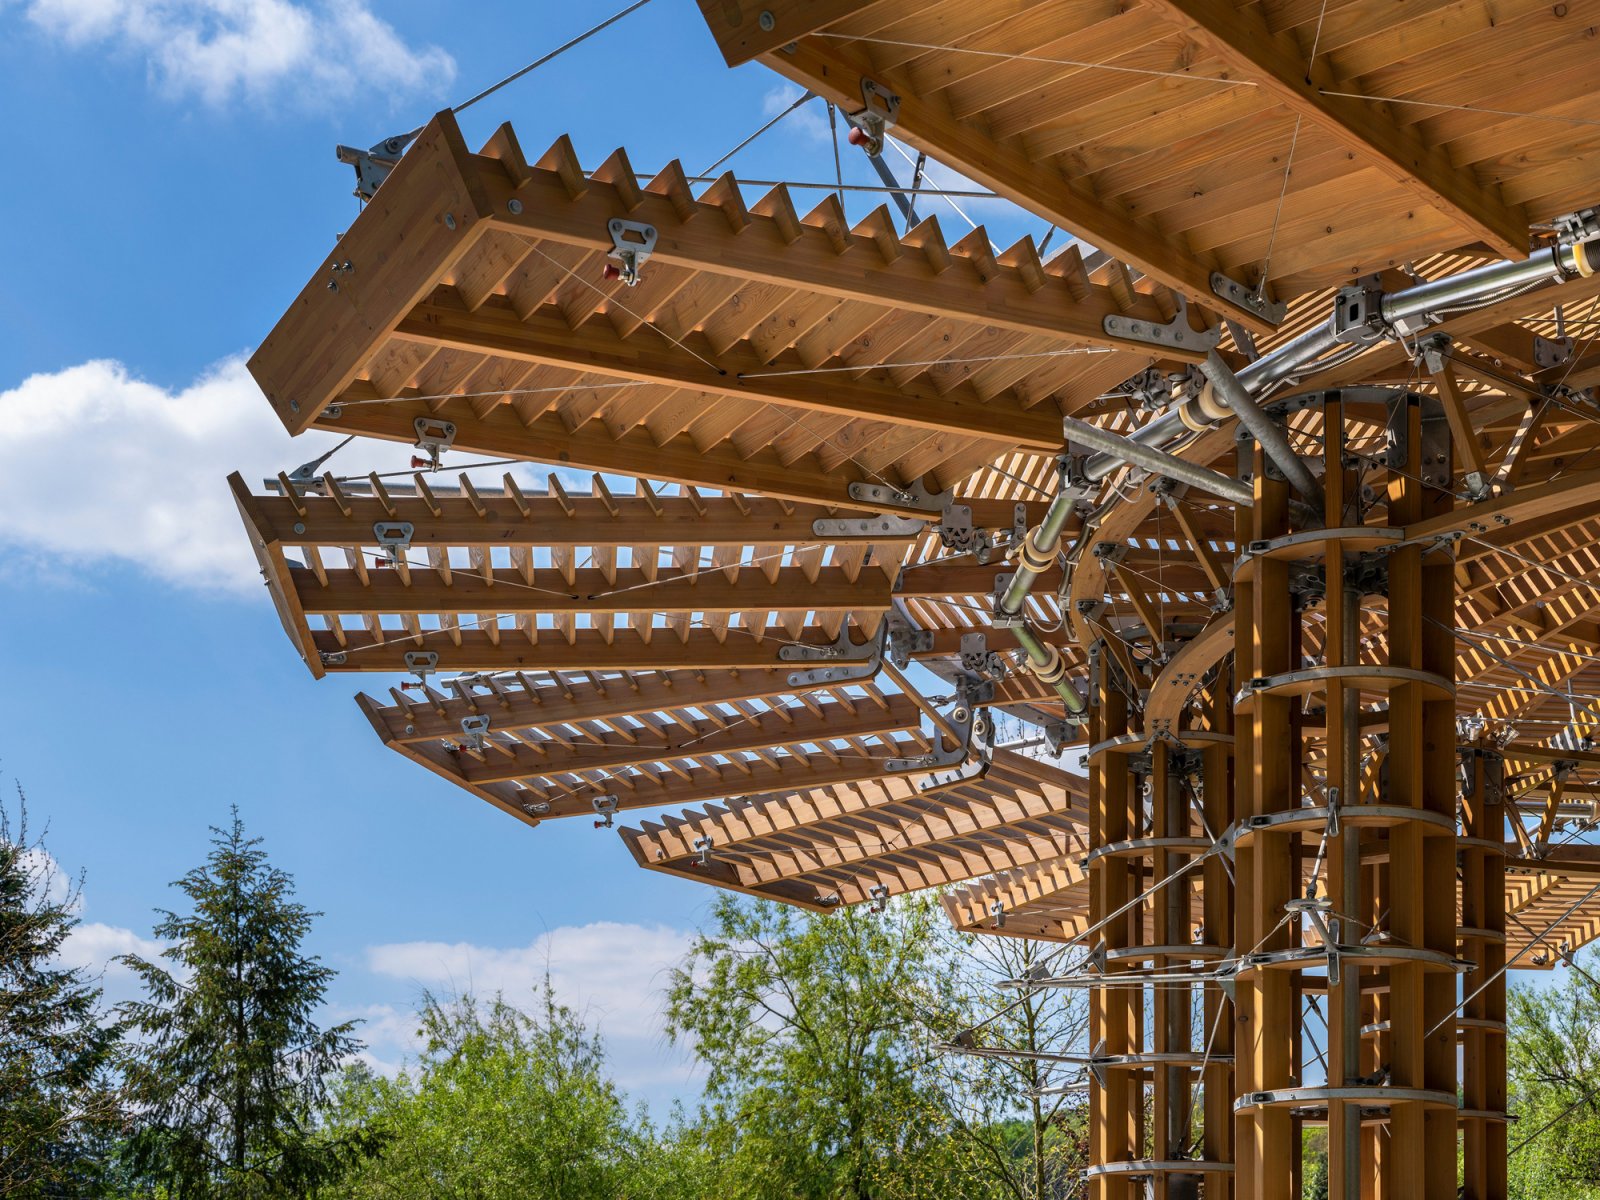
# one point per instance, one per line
(810, 120)
(107, 466)
(93, 945)
(221, 49)
(614, 974)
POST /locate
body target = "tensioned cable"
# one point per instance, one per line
(1277, 216)
(611, 298)
(901, 151)
(1497, 112)
(538, 391)
(927, 362)
(879, 188)
(838, 164)
(1543, 933)
(559, 50)
(1316, 39)
(1035, 58)
(808, 96)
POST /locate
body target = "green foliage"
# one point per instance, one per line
(504, 1104)
(809, 1032)
(1553, 1055)
(227, 1073)
(1314, 1163)
(1022, 1144)
(56, 1107)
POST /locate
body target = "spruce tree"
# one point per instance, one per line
(56, 1109)
(228, 1066)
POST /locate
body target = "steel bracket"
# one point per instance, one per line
(1552, 352)
(334, 658)
(1176, 332)
(905, 640)
(978, 659)
(536, 809)
(880, 110)
(632, 242)
(1236, 293)
(373, 166)
(473, 730)
(1573, 227)
(856, 662)
(394, 537)
(913, 495)
(888, 525)
(606, 807)
(421, 662)
(434, 437)
(998, 618)
(1358, 316)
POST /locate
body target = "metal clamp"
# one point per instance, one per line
(906, 640)
(394, 537)
(880, 110)
(632, 242)
(373, 166)
(1237, 294)
(702, 847)
(420, 662)
(1176, 332)
(978, 659)
(606, 806)
(473, 730)
(880, 897)
(434, 437)
(914, 496)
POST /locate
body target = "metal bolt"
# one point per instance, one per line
(333, 285)
(767, 21)
(514, 207)
(294, 406)
(449, 220)
(299, 526)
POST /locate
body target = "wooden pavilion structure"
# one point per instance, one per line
(1269, 502)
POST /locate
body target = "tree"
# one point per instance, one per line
(229, 1069)
(1553, 1055)
(808, 1028)
(56, 1106)
(1020, 1114)
(504, 1105)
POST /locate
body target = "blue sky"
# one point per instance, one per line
(171, 185)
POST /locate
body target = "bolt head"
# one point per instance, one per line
(449, 220)
(767, 21)
(514, 207)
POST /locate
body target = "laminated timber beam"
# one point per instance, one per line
(747, 29)
(669, 649)
(528, 519)
(685, 785)
(886, 832)
(506, 759)
(1241, 37)
(441, 200)
(545, 338)
(434, 714)
(501, 433)
(589, 591)
(835, 70)
(770, 243)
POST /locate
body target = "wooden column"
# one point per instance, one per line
(1116, 1109)
(1483, 942)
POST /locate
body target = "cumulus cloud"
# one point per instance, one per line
(147, 469)
(218, 50)
(613, 973)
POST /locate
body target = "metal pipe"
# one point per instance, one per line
(1274, 442)
(1157, 462)
(1046, 662)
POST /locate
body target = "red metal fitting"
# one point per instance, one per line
(858, 136)
(612, 271)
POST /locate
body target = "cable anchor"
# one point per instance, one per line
(373, 166)
(632, 243)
